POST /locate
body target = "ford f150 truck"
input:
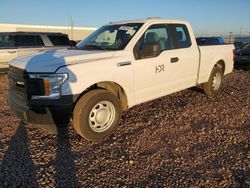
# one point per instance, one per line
(120, 65)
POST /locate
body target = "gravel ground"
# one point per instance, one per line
(186, 139)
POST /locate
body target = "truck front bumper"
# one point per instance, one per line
(54, 115)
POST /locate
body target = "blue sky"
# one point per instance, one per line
(206, 16)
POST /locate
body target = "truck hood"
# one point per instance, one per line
(50, 61)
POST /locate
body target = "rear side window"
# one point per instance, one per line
(6, 41)
(182, 36)
(59, 40)
(28, 41)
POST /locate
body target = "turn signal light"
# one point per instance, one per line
(46, 84)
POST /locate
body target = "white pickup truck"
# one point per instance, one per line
(120, 65)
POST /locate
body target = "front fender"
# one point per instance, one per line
(81, 77)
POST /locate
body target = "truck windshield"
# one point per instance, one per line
(110, 37)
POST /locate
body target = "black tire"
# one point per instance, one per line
(85, 108)
(213, 87)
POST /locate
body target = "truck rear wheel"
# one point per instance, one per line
(213, 86)
(96, 114)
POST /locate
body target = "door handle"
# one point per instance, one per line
(174, 59)
(123, 64)
(11, 52)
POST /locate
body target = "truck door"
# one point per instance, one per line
(8, 51)
(184, 60)
(150, 64)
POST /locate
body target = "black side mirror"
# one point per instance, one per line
(151, 50)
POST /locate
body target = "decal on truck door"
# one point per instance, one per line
(159, 69)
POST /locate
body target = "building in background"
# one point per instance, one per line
(74, 33)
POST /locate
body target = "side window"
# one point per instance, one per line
(155, 40)
(182, 36)
(157, 34)
(28, 41)
(59, 40)
(6, 41)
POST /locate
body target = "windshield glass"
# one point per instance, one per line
(110, 37)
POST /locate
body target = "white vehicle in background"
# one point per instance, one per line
(120, 65)
(15, 44)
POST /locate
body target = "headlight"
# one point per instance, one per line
(46, 86)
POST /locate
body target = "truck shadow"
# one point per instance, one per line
(197, 89)
(65, 169)
(17, 168)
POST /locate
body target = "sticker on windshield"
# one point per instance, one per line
(125, 28)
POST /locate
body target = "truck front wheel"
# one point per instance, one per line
(96, 114)
(213, 86)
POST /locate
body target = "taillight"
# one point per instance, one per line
(234, 56)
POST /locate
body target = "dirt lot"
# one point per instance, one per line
(182, 140)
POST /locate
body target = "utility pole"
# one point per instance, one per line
(71, 28)
(230, 36)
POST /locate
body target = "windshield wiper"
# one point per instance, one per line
(94, 46)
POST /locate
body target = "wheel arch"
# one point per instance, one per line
(221, 64)
(111, 86)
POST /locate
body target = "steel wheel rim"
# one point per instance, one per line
(102, 116)
(216, 81)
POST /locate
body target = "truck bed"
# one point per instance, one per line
(210, 54)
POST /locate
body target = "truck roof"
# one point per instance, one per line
(148, 20)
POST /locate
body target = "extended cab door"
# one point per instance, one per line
(182, 61)
(8, 51)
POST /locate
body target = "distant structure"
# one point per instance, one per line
(229, 37)
(242, 39)
(75, 33)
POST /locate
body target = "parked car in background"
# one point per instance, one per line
(239, 45)
(210, 41)
(15, 44)
(243, 55)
